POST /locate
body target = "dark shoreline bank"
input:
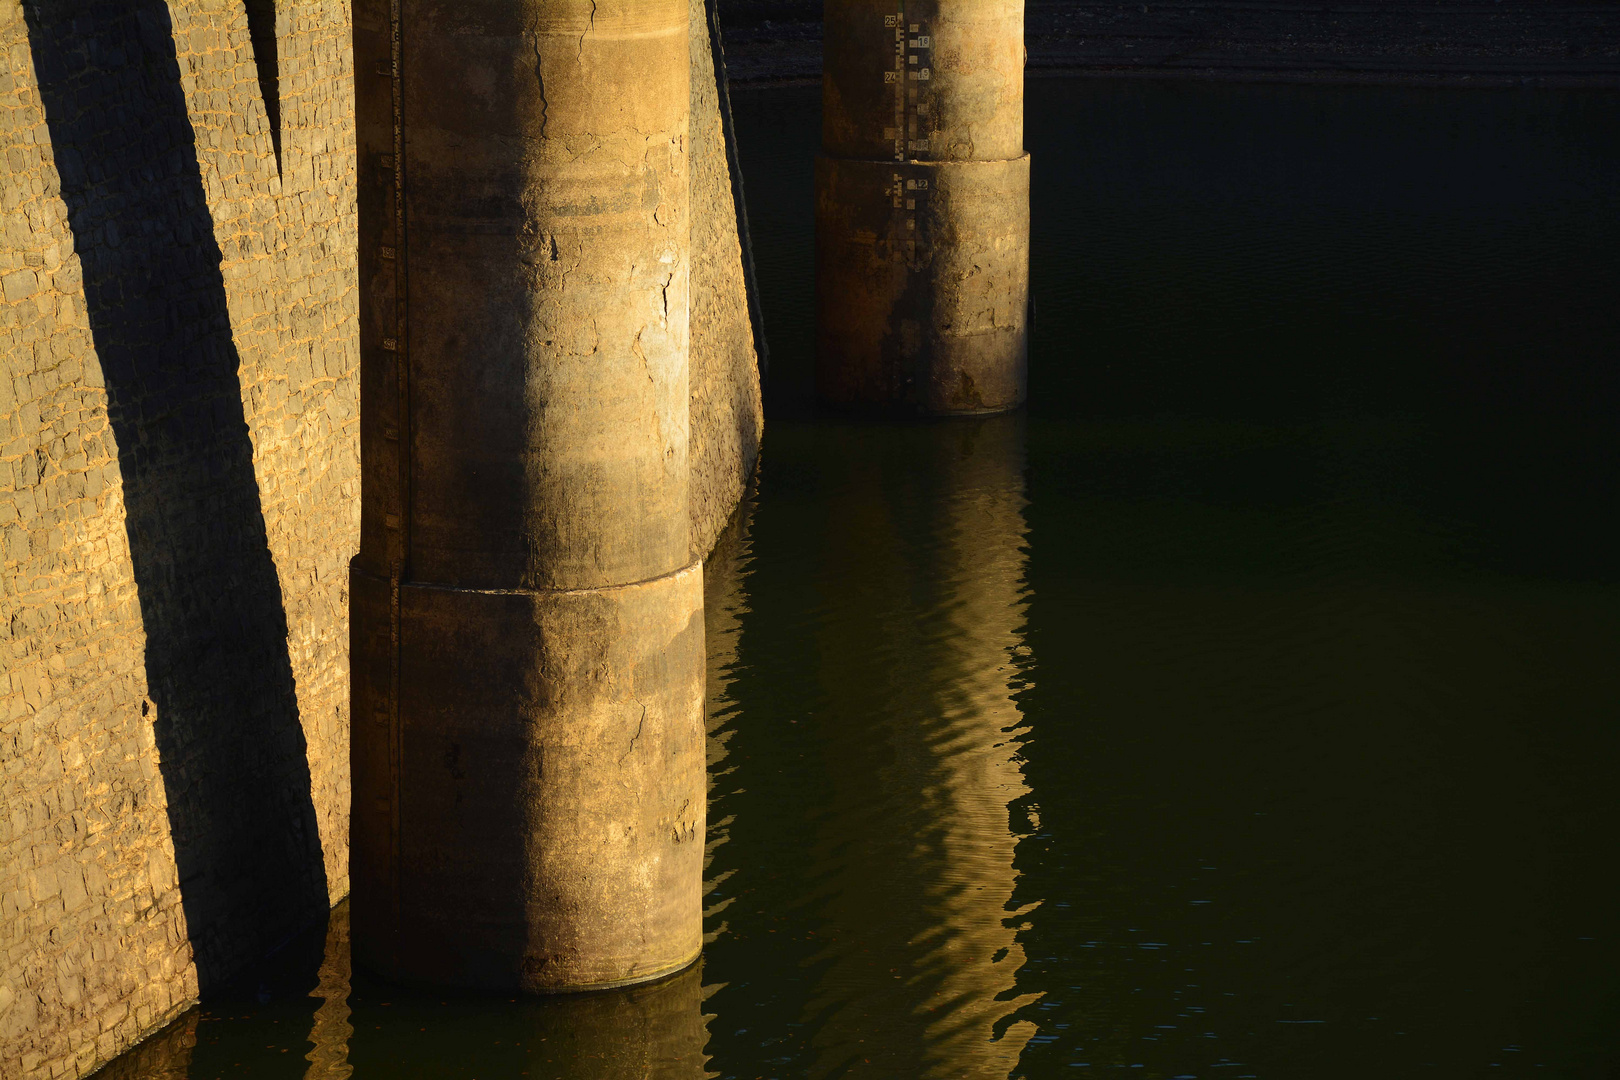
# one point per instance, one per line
(1491, 44)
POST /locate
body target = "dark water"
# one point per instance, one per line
(1249, 708)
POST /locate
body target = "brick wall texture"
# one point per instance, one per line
(179, 493)
(178, 499)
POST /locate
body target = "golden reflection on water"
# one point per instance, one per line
(725, 602)
(652, 1031)
(330, 1031)
(916, 866)
(164, 1056)
(982, 548)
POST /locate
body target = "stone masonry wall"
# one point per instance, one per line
(179, 493)
(178, 498)
(287, 236)
(93, 948)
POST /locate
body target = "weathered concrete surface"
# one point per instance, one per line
(550, 830)
(727, 415)
(527, 615)
(932, 317)
(178, 493)
(922, 208)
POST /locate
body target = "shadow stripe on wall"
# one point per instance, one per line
(232, 751)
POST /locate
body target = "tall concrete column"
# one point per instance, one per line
(528, 753)
(922, 207)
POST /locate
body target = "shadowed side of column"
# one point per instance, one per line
(528, 629)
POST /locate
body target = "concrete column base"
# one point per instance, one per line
(922, 284)
(536, 760)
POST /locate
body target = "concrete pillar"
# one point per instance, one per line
(922, 207)
(528, 809)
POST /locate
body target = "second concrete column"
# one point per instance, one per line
(527, 621)
(922, 207)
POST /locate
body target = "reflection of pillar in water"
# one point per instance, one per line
(922, 206)
(978, 773)
(651, 1031)
(725, 602)
(526, 614)
(330, 1032)
(923, 739)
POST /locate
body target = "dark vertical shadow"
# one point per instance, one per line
(232, 753)
(728, 130)
(261, 17)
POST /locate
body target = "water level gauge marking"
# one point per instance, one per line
(908, 135)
